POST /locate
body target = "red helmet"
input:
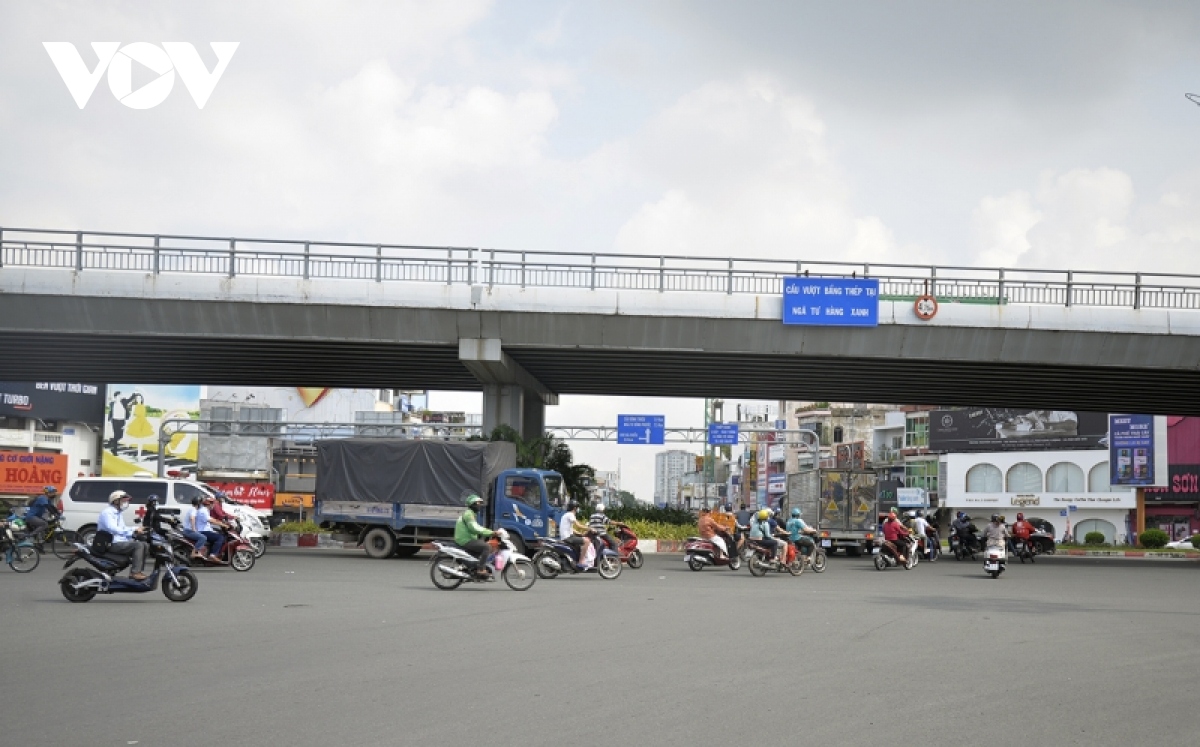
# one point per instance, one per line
(1020, 517)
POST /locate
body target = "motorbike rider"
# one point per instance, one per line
(42, 506)
(919, 527)
(572, 532)
(893, 533)
(760, 531)
(996, 534)
(1022, 530)
(963, 528)
(198, 540)
(204, 526)
(710, 531)
(598, 524)
(800, 533)
(124, 539)
(154, 519)
(469, 534)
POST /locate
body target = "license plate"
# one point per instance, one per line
(991, 566)
(874, 550)
(826, 543)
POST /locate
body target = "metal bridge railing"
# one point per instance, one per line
(83, 251)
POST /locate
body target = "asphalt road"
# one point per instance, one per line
(331, 648)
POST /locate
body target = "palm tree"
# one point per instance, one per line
(548, 453)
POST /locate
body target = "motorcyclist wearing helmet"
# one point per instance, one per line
(761, 532)
(598, 529)
(571, 531)
(154, 519)
(1022, 529)
(124, 539)
(801, 533)
(996, 534)
(893, 535)
(965, 531)
(470, 535)
(919, 527)
(41, 511)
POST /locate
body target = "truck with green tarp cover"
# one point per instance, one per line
(396, 495)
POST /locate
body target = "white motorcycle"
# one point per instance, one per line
(451, 565)
(994, 560)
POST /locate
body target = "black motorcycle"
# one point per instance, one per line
(1024, 549)
(966, 547)
(83, 584)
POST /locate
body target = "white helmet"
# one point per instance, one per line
(115, 497)
(599, 508)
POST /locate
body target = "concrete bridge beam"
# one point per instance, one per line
(511, 395)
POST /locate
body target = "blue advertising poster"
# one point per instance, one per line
(844, 302)
(1131, 449)
(641, 429)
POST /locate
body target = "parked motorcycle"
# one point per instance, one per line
(884, 559)
(699, 552)
(555, 556)
(628, 550)
(451, 566)
(83, 584)
(994, 561)
(1043, 542)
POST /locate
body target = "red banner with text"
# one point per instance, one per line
(259, 495)
(22, 473)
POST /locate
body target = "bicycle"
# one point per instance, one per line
(56, 537)
(19, 552)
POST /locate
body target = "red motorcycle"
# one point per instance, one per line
(627, 547)
(699, 552)
(237, 552)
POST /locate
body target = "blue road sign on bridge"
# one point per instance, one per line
(722, 434)
(844, 302)
(641, 429)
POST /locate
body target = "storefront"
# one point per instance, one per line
(1176, 509)
(1068, 489)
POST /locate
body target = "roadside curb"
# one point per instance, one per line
(1128, 554)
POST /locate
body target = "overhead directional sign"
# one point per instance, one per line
(722, 434)
(641, 429)
(846, 302)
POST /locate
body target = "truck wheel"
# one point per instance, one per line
(379, 543)
(407, 551)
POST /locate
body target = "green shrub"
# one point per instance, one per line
(660, 530)
(1153, 538)
(1196, 541)
(1093, 538)
(652, 514)
(299, 527)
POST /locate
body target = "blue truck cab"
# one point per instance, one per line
(395, 496)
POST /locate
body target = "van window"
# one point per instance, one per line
(86, 491)
(184, 493)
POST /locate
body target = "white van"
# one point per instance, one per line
(87, 496)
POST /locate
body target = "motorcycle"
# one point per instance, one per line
(19, 550)
(1024, 549)
(1042, 542)
(966, 549)
(83, 584)
(555, 556)
(994, 561)
(885, 559)
(627, 550)
(699, 552)
(814, 560)
(237, 551)
(761, 559)
(931, 547)
(451, 565)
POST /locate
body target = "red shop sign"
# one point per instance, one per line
(259, 495)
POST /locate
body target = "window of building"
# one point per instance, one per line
(916, 431)
(1064, 477)
(985, 478)
(1098, 480)
(922, 474)
(837, 434)
(1024, 478)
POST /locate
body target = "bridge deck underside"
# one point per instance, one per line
(579, 370)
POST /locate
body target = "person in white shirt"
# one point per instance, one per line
(571, 531)
(124, 539)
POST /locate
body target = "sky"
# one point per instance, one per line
(1018, 134)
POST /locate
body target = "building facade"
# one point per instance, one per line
(669, 469)
(1175, 509)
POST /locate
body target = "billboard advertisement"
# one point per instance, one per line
(23, 473)
(132, 418)
(1137, 450)
(52, 400)
(1183, 485)
(1015, 429)
(259, 495)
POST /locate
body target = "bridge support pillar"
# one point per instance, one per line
(511, 395)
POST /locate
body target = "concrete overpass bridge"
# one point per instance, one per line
(527, 326)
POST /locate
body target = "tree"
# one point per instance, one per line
(626, 499)
(548, 453)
